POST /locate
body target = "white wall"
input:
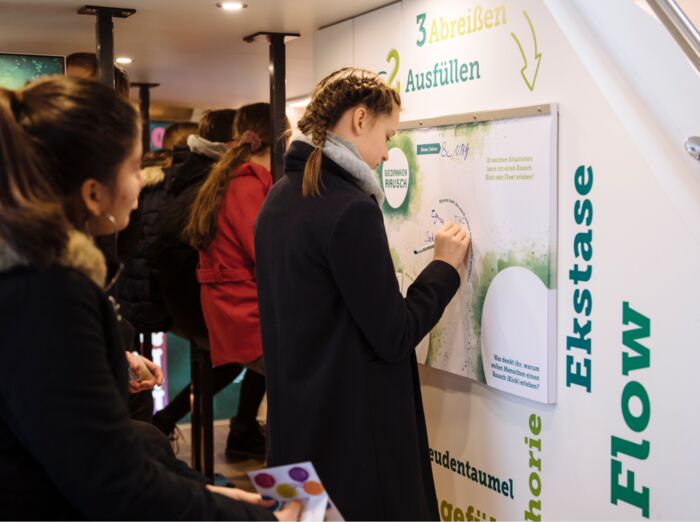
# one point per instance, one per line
(626, 103)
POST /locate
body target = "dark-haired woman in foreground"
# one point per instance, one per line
(69, 170)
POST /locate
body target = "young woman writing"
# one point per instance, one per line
(338, 336)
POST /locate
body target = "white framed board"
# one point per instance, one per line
(494, 173)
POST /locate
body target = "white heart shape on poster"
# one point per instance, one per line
(514, 333)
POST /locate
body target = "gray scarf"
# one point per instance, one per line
(345, 154)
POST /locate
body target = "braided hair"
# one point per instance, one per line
(336, 93)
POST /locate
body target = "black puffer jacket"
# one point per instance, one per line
(176, 261)
(138, 288)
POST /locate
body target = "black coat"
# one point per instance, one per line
(339, 340)
(176, 261)
(67, 447)
(138, 288)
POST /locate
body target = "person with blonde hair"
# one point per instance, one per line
(338, 337)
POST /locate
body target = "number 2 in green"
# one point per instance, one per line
(394, 55)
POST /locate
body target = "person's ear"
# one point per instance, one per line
(92, 194)
(359, 120)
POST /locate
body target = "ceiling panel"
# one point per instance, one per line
(192, 48)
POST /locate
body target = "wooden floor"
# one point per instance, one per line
(235, 472)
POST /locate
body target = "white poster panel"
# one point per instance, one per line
(497, 179)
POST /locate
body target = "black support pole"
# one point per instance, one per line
(278, 74)
(105, 48)
(278, 98)
(145, 105)
(104, 37)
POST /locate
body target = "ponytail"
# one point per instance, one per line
(254, 134)
(311, 184)
(200, 229)
(32, 219)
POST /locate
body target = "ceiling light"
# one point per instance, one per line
(231, 6)
(123, 60)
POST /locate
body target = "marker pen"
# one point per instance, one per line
(425, 248)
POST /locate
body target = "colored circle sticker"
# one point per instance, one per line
(299, 474)
(264, 480)
(313, 488)
(286, 491)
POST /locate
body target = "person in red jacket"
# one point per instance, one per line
(220, 226)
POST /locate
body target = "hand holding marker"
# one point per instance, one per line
(451, 244)
(425, 248)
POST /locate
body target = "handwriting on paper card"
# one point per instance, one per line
(457, 151)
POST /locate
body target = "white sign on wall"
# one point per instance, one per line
(496, 178)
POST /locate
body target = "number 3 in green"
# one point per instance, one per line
(394, 55)
(420, 20)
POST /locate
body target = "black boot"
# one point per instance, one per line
(245, 441)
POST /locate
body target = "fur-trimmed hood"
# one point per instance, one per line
(152, 176)
(80, 253)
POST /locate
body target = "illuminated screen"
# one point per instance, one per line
(16, 70)
(157, 130)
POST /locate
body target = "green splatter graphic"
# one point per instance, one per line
(493, 262)
(396, 259)
(552, 269)
(404, 141)
(475, 133)
(479, 367)
(433, 344)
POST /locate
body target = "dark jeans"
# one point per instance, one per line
(252, 392)
(141, 406)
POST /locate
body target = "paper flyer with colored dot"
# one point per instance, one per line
(296, 482)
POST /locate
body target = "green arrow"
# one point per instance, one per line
(538, 56)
